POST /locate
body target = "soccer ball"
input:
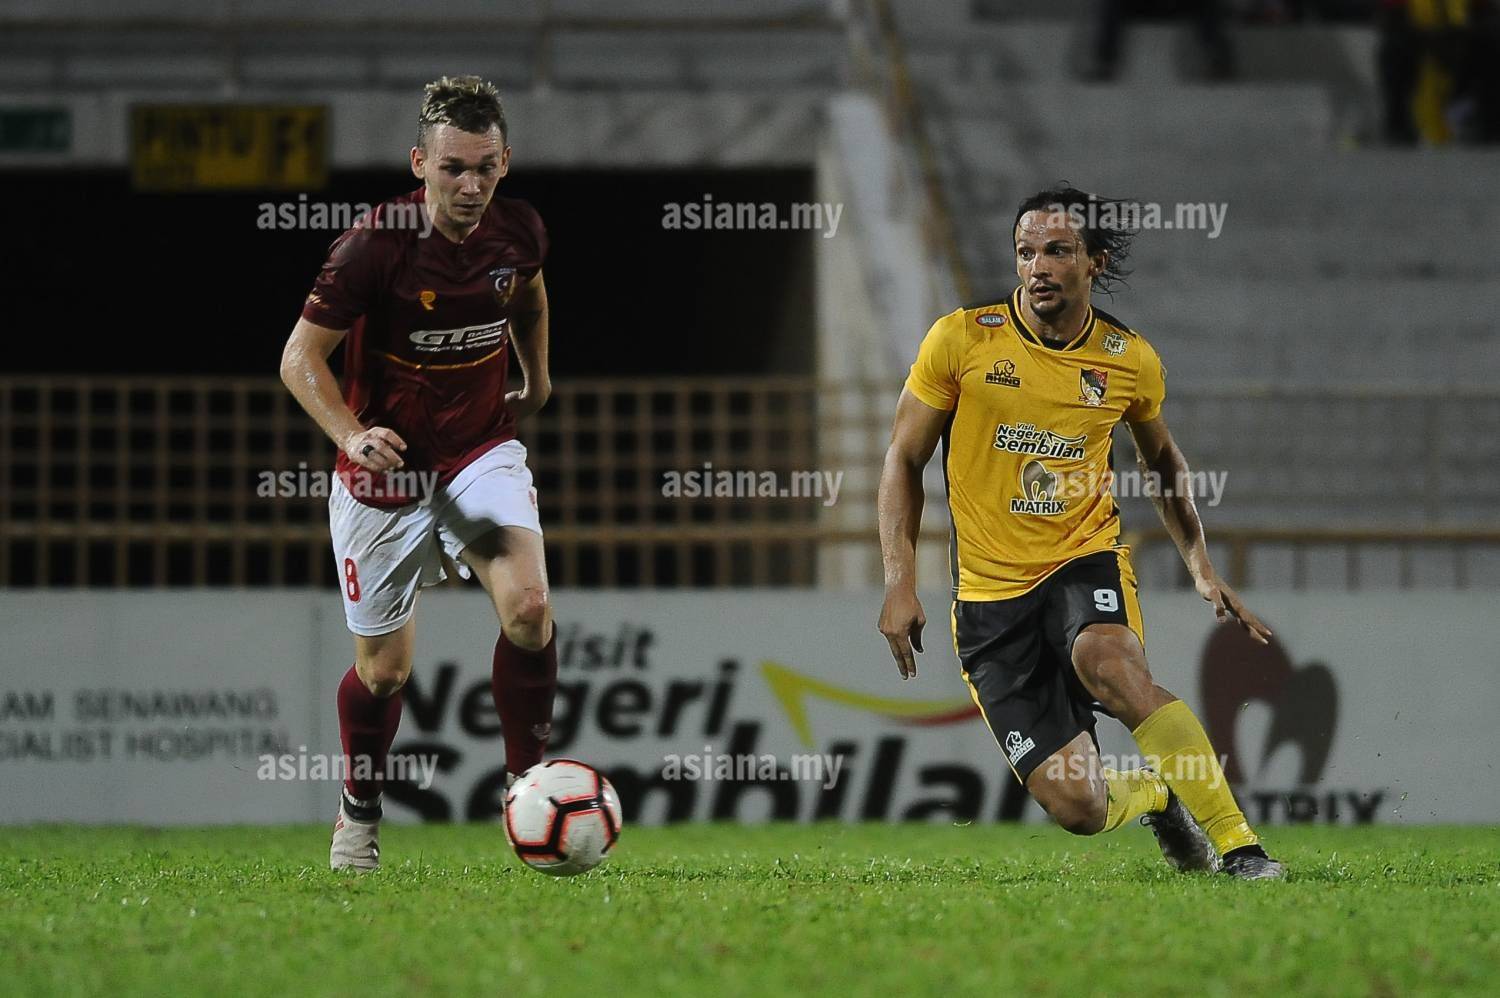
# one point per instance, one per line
(562, 817)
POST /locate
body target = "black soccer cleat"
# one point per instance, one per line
(1252, 863)
(1183, 844)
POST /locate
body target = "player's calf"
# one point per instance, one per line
(1111, 664)
(510, 563)
(369, 708)
(1078, 814)
(523, 679)
(523, 683)
(1173, 736)
(1085, 798)
(1069, 787)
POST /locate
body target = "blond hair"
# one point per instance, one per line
(465, 102)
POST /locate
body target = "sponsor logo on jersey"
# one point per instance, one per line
(486, 334)
(1016, 746)
(427, 296)
(1026, 438)
(990, 319)
(1038, 492)
(1114, 343)
(1003, 373)
(1095, 382)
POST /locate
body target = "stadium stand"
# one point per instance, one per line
(1339, 327)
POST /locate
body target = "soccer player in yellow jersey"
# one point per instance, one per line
(1024, 394)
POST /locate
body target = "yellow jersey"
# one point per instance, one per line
(1026, 452)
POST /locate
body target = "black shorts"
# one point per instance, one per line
(1017, 654)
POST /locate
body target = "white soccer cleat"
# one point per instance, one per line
(356, 844)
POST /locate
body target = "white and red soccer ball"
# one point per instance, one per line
(562, 817)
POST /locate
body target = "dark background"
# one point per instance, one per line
(105, 280)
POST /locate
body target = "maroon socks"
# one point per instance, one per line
(524, 684)
(367, 726)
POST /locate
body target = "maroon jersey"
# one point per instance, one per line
(429, 326)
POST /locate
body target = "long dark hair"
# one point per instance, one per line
(1093, 215)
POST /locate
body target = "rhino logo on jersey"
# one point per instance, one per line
(1003, 373)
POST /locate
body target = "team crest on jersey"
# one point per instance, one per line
(1114, 343)
(990, 319)
(1095, 382)
(1003, 373)
(1038, 492)
(504, 279)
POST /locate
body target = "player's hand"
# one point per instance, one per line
(901, 621)
(524, 403)
(1227, 603)
(376, 449)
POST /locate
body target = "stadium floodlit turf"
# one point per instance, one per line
(769, 910)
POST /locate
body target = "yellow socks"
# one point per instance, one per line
(1173, 736)
(1131, 795)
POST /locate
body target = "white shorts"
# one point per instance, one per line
(385, 555)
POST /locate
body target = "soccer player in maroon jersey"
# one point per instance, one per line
(428, 461)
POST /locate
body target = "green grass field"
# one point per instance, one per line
(770, 910)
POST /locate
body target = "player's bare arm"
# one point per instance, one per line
(529, 336)
(915, 436)
(1160, 456)
(305, 372)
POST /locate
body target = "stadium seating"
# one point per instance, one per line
(1331, 348)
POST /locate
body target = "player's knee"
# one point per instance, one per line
(528, 618)
(1082, 819)
(384, 672)
(386, 681)
(1077, 810)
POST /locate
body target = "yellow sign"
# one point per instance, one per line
(791, 688)
(191, 147)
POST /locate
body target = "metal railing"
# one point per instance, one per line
(215, 481)
(1452, 550)
(184, 481)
